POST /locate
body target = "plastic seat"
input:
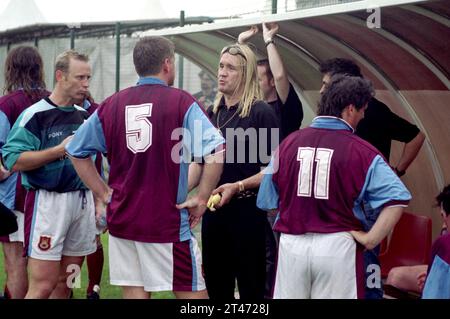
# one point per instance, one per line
(409, 244)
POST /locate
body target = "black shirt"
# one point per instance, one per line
(380, 126)
(290, 114)
(246, 153)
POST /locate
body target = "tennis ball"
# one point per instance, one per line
(212, 201)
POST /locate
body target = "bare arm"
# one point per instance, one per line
(230, 189)
(195, 172)
(410, 152)
(389, 216)
(88, 173)
(4, 173)
(276, 64)
(246, 35)
(212, 170)
(30, 160)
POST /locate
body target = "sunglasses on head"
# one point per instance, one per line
(234, 50)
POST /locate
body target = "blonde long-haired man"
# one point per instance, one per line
(233, 236)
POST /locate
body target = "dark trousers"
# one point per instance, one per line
(234, 249)
(272, 240)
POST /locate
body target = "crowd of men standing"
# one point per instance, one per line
(292, 220)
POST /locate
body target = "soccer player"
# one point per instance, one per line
(95, 260)
(24, 85)
(60, 225)
(394, 128)
(413, 278)
(141, 130)
(318, 179)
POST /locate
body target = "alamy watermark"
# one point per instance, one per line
(252, 145)
(373, 21)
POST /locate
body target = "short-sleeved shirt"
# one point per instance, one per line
(12, 194)
(437, 285)
(324, 174)
(41, 126)
(149, 134)
(250, 140)
(441, 248)
(290, 113)
(380, 126)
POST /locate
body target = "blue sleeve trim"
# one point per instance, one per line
(200, 137)
(381, 186)
(268, 195)
(5, 127)
(88, 140)
(437, 285)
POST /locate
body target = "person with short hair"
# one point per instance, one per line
(149, 133)
(59, 209)
(317, 180)
(208, 91)
(95, 260)
(24, 86)
(414, 278)
(369, 128)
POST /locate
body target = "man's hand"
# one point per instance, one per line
(227, 191)
(196, 207)
(361, 237)
(270, 30)
(62, 146)
(421, 278)
(4, 173)
(246, 35)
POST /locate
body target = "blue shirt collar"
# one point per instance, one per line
(331, 122)
(150, 80)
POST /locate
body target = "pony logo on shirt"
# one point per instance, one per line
(55, 134)
(45, 243)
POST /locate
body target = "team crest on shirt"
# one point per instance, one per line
(45, 242)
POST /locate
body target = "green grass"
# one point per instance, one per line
(107, 291)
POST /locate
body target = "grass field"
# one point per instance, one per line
(106, 290)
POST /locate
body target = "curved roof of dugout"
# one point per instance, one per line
(407, 59)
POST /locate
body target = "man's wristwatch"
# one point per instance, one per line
(399, 173)
(269, 42)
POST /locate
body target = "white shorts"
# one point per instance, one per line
(316, 266)
(18, 235)
(156, 266)
(62, 224)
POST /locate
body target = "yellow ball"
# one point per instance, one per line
(213, 200)
(216, 199)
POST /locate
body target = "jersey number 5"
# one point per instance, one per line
(138, 127)
(306, 156)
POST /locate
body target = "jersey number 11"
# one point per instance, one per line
(306, 156)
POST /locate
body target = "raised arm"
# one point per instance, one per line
(280, 77)
(246, 35)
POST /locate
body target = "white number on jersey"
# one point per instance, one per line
(138, 127)
(306, 156)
